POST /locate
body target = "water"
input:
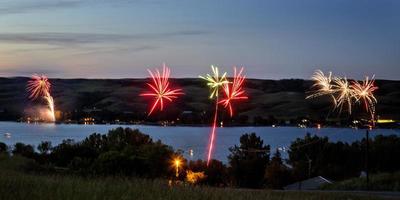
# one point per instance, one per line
(184, 138)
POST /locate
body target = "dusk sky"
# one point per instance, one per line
(273, 39)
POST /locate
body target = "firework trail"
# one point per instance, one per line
(214, 82)
(234, 91)
(39, 86)
(160, 89)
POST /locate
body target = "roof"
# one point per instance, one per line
(309, 184)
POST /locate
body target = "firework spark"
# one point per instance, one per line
(39, 86)
(363, 92)
(323, 84)
(344, 93)
(215, 81)
(160, 89)
(234, 91)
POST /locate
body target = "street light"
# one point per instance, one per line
(177, 163)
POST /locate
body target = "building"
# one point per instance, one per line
(309, 184)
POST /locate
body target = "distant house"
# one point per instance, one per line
(309, 184)
(187, 112)
(92, 110)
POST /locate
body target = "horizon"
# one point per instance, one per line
(147, 77)
(272, 39)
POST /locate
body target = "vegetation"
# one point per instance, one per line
(16, 183)
(249, 161)
(316, 156)
(377, 182)
(127, 153)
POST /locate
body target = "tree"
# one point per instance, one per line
(23, 150)
(3, 147)
(277, 174)
(248, 161)
(44, 147)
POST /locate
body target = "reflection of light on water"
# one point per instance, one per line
(7, 135)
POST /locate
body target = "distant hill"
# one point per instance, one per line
(116, 98)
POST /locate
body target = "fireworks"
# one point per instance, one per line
(39, 86)
(363, 92)
(234, 91)
(323, 84)
(215, 81)
(345, 93)
(160, 89)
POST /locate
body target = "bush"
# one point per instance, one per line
(216, 173)
(120, 152)
(23, 150)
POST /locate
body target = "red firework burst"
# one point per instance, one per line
(160, 89)
(234, 90)
(38, 86)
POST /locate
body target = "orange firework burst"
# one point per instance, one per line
(234, 91)
(38, 86)
(363, 92)
(160, 89)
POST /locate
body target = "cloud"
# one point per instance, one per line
(59, 38)
(26, 6)
(74, 39)
(29, 70)
(118, 50)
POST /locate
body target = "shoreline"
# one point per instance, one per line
(202, 125)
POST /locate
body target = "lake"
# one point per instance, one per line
(184, 138)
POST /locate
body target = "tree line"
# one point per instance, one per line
(130, 153)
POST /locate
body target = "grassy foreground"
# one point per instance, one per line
(378, 182)
(16, 184)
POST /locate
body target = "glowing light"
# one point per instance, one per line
(39, 86)
(194, 177)
(234, 91)
(363, 93)
(383, 121)
(215, 81)
(323, 84)
(177, 163)
(344, 94)
(160, 89)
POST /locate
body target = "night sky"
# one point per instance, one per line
(273, 39)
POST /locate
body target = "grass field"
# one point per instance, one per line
(377, 182)
(16, 184)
